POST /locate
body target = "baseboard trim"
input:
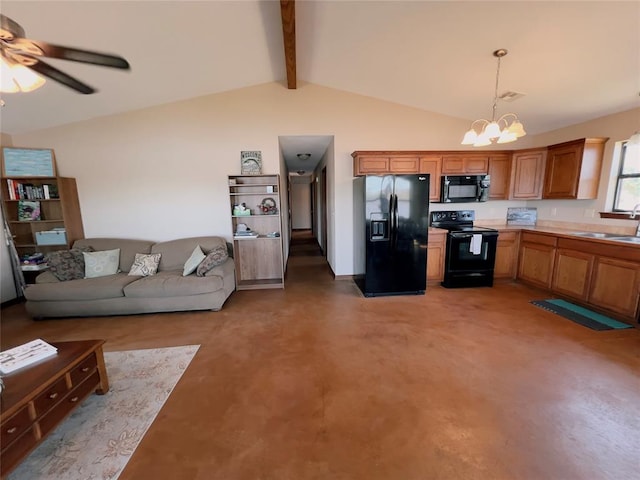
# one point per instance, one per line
(14, 301)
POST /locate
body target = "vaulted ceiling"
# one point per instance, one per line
(574, 61)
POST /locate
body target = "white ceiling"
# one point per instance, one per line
(575, 61)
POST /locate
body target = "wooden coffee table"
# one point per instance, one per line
(37, 398)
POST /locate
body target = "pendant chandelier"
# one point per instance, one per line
(505, 129)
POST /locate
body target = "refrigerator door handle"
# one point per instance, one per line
(394, 214)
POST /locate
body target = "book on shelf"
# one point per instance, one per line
(28, 210)
(29, 191)
(24, 355)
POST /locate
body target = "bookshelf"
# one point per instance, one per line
(61, 211)
(254, 204)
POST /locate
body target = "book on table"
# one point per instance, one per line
(24, 355)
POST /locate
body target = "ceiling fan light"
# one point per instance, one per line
(26, 79)
(7, 85)
(517, 129)
(15, 77)
(492, 130)
(470, 137)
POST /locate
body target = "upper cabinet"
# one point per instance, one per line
(568, 170)
(432, 165)
(573, 169)
(465, 163)
(371, 164)
(528, 174)
(500, 173)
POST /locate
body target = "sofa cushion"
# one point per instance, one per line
(67, 264)
(193, 261)
(172, 284)
(128, 248)
(217, 256)
(101, 264)
(85, 289)
(145, 265)
(176, 252)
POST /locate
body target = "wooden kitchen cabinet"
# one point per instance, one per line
(435, 255)
(573, 169)
(572, 273)
(500, 172)
(527, 177)
(462, 164)
(615, 286)
(381, 164)
(506, 255)
(536, 259)
(432, 165)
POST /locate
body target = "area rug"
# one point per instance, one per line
(100, 436)
(580, 315)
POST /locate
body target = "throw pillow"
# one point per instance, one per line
(67, 264)
(101, 264)
(145, 265)
(194, 260)
(217, 256)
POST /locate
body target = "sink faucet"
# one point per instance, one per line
(633, 215)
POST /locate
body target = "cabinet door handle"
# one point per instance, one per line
(53, 395)
(12, 430)
(85, 369)
(74, 399)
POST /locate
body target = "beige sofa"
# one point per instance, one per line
(122, 294)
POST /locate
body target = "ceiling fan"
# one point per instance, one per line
(21, 63)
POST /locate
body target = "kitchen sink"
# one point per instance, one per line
(629, 238)
(597, 235)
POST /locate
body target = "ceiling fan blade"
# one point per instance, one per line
(77, 55)
(61, 77)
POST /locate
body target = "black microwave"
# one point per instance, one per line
(464, 188)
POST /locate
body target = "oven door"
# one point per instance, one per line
(462, 257)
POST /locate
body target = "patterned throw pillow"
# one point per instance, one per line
(194, 260)
(217, 256)
(67, 264)
(101, 264)
(145, 265)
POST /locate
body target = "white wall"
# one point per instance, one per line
(160, 173)
(301, 205)
(7, 285)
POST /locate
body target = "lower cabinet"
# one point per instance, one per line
(435, 256)
(536, 260)
(506, 255)
(572, 273)
(616, 286)
(601, 275)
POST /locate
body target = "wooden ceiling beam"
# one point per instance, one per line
(288, 13)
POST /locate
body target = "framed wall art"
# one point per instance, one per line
(28, 162)
(250, 163)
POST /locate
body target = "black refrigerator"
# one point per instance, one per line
(391, 217)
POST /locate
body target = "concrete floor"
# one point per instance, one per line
(317, 382)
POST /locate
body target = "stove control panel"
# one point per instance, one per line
(453, 216)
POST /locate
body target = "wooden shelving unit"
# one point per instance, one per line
(60, 212)
(258, 259)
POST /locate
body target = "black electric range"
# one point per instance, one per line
(471, 251)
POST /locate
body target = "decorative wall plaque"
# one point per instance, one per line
(251, 163)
